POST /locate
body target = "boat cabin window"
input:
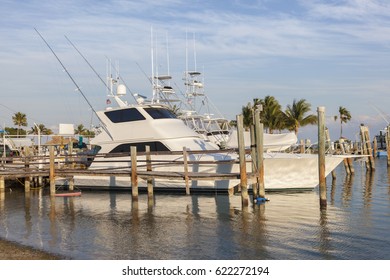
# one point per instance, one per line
(154, 147)
(125, 115)
(160, 113)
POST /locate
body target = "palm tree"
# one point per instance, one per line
(272, 114)
(19, 119)
(42, 130)
(344, 116)
(247, 112)
(296, 115)
(80, 129)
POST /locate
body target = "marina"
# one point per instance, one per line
(291, 226)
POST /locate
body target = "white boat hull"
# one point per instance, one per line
(282, 171)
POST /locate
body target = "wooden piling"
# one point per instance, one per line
(259, 129)
(375, 146)
(52, 172)
(345, 161)
(321, 156)
(367, 148)
(134, 178)
(2, 184)
(71, 183)
(27, 179)
(241, 153)
(302, 146)
(186, 178)
(149, 168)
(255, 188)
(328, 146)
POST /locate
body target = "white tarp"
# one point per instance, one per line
(272, 142)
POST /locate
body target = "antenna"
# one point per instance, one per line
(193, 37)
(120, 77)
(167, 52)
(74, 82)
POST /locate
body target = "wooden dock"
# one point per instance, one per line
(49, 168)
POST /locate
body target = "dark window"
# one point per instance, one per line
(154, 147)
(160, 113)
(125, 115)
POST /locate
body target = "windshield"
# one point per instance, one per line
(160, 113)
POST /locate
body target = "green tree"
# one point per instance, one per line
(20, 120)
(80, 129)
(344, 116)
(272, 115)
(247, 112)
(296, 115)
(42, 130)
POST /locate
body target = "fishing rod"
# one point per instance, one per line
(380, 113)
(97, 74)
(89, 64)
(74, 82)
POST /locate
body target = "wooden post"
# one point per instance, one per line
(345, 161)
(186, 178)
(366, 146)
(369, 149)
(71, 183)
(302, 146)
(350, 164)
(375, 147)
(149, 168)
(134, 178)
(308, 144)
(52, 172)
(259, 128)
(2, 184)
(27, 179)
(329, 146)
(254, 160)
(241, 154)
(321, 156)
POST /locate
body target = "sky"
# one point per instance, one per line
(330, 53)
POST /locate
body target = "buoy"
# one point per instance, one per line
(261, 199)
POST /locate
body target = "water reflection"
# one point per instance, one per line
(347, 190)
(289, 226)
(367, 187)
(325, 236)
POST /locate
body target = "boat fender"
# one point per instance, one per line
(261, 199)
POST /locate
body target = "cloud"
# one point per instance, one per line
(318, 50)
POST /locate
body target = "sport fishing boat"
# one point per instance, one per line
(155, 125)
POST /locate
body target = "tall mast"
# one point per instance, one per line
(193, 37)
(152, 58)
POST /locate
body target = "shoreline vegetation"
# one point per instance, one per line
(13, 251)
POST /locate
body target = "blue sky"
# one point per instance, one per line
(331, 53)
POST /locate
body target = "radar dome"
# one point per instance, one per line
(121, 90)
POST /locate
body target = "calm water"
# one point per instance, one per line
(100, 225)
